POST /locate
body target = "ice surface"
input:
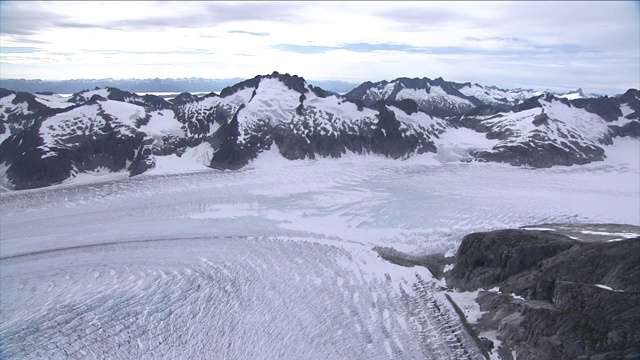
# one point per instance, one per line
(623, 235)
(53, 101)
(79, 121)
(607, 288)
(272, 102)
(124, 113)
(100, 92)
(193, 159)
(162, 123)
(274, 260)
(591, 125)
(456, 144)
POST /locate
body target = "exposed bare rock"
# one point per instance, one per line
(565, 291)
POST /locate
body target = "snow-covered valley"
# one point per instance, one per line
(274, 260)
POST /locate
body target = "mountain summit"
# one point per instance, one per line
(46, 139)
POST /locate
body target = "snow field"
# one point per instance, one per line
(224, 297)
(272, 261)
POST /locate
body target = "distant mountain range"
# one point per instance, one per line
(46, 139)
(202, 85)
(194, 85)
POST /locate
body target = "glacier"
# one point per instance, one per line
(274, 260)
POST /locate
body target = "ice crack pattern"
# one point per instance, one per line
(223, 298)
(274, 261)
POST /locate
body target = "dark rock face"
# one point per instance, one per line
(184, 98)
(616, 264)
(155, 102)
(605, 107)
(320, 92)
(360, 92)
(543, 154)
(76, 144)
(30, 166)
(631, 98)
(293, 82)
(540, 119)
(294, 145)
(434, 262)
(553, 141)
(387, 138)
(308, 139)
(631, 129)
(27, 165)
(250, 83)
(24, 111)
(482, 110)
(487, 259)
(585, 321)
(531, 103)
(579, 300)
(407, 105)
(230, 155)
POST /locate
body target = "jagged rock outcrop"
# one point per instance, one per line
(488, 259)
(558, 298)
(184, 98)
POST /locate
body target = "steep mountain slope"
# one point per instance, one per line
(47, 139)
(546, 130)
(304, 121)
(20, 110)
(98, 134)
(434, 97)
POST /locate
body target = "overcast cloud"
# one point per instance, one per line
(556, 45)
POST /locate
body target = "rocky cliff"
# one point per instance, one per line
(555, 291)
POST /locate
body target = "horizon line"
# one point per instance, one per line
(566, 89)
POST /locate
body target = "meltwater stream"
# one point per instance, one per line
(267, 262)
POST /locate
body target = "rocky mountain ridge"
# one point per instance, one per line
(46, 139)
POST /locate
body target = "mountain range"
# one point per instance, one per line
(46, 139)
(171, 85)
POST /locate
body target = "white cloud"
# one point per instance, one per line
(594, 45)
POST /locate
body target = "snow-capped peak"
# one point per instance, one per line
(572, 95)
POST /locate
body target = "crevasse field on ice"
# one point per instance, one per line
(274, 260)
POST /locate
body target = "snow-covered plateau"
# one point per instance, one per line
(273, 261)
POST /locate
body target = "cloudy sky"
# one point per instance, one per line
(555, 45)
